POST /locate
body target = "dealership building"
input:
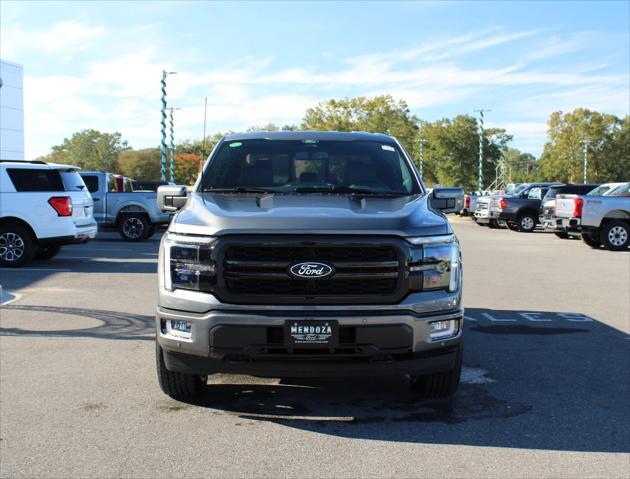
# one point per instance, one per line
(11, 112)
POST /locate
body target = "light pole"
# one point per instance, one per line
(163, 124)
(421, 141)
(480, 181)
(172, 146)
(585, 143)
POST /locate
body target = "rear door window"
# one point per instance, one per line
(32, 179)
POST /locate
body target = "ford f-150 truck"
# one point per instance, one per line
(520, 211)
(133, 213)
(601, 220)
(309, 254)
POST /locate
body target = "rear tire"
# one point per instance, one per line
(179, 386)
(439, 385)
(48, 251)
(17, 245)
(512, 226)
(494, 224)
(562, 234)
(133, 227)
(592, 241)
(526, 223)
(615, 235)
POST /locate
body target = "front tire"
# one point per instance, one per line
(48, 252)
(439, 385)
(17, 245)
(133, 227)
(615, 235)
(179, 386)
(526, 223)
(512, 226)
(494, 224)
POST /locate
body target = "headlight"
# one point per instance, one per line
(188, 262)
(440, 263)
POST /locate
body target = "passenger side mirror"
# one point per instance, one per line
(171, 198)
(447, 200)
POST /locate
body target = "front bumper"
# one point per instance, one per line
(241, 342)
(482, 216)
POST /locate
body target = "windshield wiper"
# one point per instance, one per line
(347, 190)
(238, 189)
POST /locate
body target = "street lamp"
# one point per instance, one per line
(172, 146)
(585, 143)
(480, 181)
(163, 124)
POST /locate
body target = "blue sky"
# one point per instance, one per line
(97, 65)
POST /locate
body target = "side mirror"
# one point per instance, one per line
(447, 200)
(171, 198)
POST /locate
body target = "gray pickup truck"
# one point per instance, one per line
(600, 220)
(116, 206)
(309, 254)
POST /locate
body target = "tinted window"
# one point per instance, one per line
(284, 165)
(623, 190)
(35, 179)
(91, 182)
(72, 181)
(600, 190)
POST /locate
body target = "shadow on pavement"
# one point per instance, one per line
(557, 385)
(115, 325)
(560, 384)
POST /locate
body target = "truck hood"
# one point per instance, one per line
(221, 214)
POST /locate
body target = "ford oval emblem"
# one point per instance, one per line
(311, 270)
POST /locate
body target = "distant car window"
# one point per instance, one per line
(600, 190)
(534, 194)
(623, 190)
(27, 179)
(91, 181)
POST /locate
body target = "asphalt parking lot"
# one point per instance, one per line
(544, 391)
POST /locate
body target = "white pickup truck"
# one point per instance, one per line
(116, 206)
(600, 220)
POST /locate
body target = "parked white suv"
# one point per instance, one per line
(42, 207)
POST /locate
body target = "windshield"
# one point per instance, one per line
(600, 190)
(309, 166)
(520, 188)
(621, 190)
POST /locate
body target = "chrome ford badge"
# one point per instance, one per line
(311, 270)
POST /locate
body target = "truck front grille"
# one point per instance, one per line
(258, 273)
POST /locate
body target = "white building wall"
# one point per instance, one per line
(11, 112)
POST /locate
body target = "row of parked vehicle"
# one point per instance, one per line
(44, 206)
(598, 213)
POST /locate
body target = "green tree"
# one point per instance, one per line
(381, 114)
(608, 152)
(141, 164)
(451, 152)
(522, 167)
(187, 168)
(91, 150)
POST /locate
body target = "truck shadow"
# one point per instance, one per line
(554, 385)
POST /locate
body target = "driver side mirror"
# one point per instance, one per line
(171, 198)
(447, 200)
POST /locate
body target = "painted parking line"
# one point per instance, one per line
(491, 317)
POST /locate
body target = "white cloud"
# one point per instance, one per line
(63, 38)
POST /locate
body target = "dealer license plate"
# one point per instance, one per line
(315, 333)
